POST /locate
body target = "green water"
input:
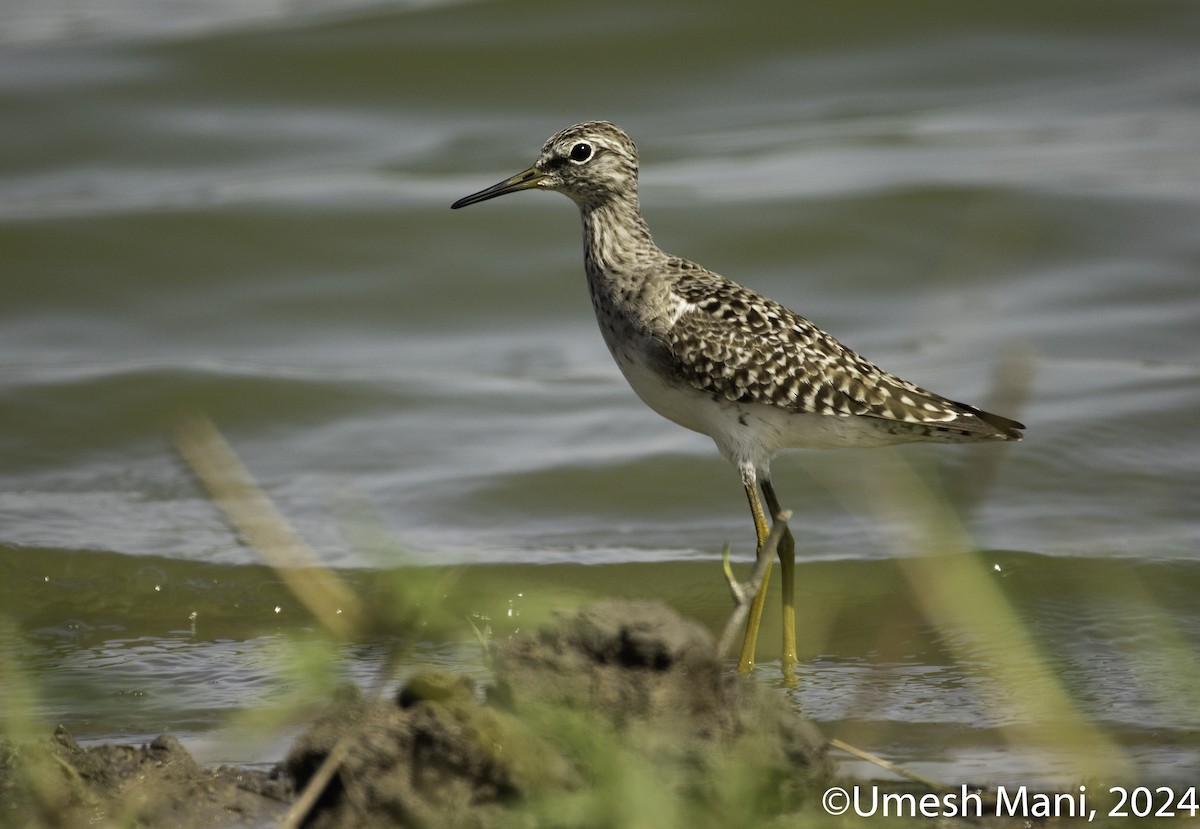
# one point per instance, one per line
(245, 212)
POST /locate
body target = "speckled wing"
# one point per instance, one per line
(727, 340)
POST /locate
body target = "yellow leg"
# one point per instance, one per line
(787, 573)
(746, 660)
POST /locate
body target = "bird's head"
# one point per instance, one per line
(592, 163)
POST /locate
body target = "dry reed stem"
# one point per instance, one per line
(252, 514)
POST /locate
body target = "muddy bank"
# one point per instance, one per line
(57, 783)
(606, 716)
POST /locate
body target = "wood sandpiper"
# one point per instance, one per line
(719, 358)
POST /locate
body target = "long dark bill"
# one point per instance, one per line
(521, 181)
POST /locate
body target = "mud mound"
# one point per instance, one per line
(614, 690)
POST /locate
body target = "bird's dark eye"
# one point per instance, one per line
(581, 152)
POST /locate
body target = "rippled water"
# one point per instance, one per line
(244, 211)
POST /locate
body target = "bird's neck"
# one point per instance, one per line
(616, 239)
